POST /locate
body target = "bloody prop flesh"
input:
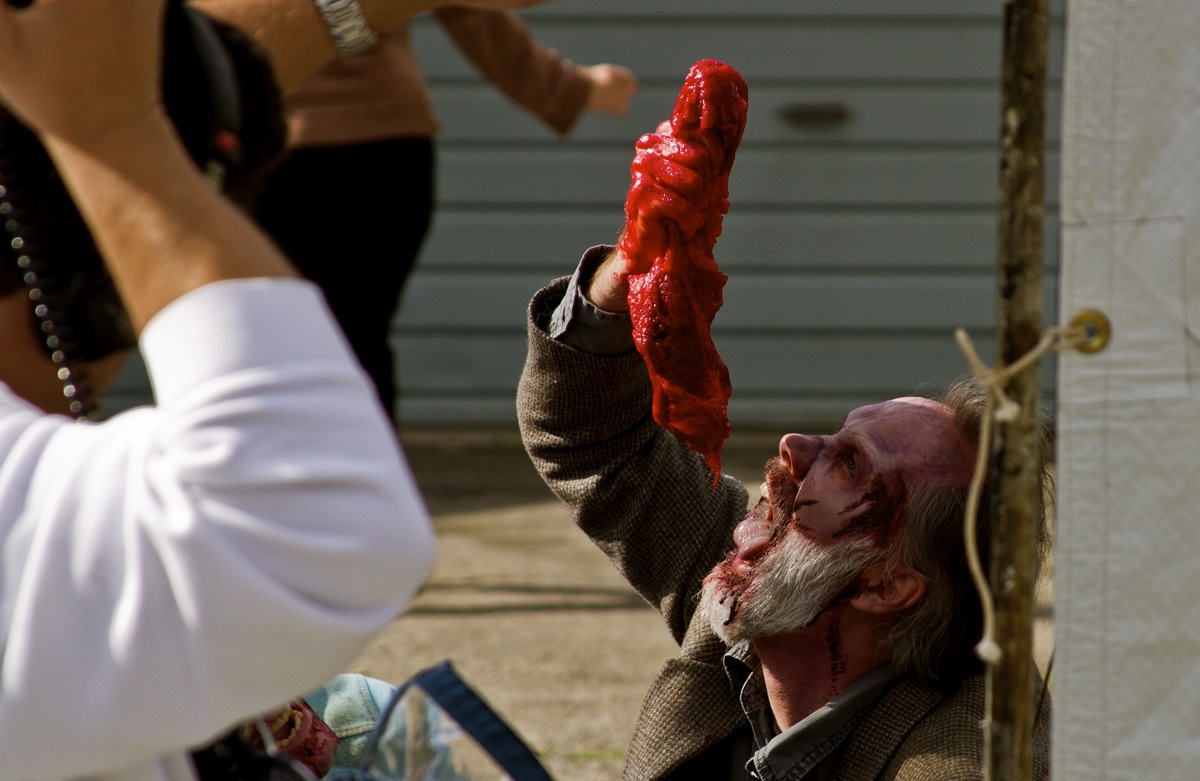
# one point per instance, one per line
(678, 195)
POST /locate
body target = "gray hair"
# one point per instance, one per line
(935, 641)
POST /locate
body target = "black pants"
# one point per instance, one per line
(352, 219)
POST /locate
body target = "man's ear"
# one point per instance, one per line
(888, 590)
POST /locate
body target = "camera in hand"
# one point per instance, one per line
(220, 92)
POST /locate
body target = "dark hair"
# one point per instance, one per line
(10, 275)
(217, 85)
(936, 640)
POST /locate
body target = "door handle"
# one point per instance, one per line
(809, 115)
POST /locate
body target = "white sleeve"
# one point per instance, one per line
(178, 568)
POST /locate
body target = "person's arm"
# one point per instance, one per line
(646, 500)
(186, 566)
(534, 76)
(612, 87)
(581, 323)
(608, 287)
(587, 420)
(180, 567)
(157, 220)
(293, 33)
(162, 227)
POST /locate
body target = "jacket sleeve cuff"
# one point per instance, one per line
(580, 323)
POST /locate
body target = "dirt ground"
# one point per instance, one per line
(527, 610)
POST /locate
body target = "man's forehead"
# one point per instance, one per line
(920, 433)
(911, 408)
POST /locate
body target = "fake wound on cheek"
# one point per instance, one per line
(881, 512)
(839, 660)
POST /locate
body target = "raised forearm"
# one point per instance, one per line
(161, 225)
(644, 499)
(609, 286)
(89, 88)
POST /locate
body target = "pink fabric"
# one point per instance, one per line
(303, 735)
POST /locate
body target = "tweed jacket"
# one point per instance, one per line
(650, 504)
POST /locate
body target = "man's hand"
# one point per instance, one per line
(78, 69)
(609, 286)
(612, 88)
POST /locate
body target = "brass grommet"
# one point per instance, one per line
(1095, 330)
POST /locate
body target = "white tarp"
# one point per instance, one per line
(1127, 583)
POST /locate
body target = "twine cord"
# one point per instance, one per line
(1000, 408)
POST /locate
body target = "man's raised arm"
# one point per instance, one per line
(161, 225)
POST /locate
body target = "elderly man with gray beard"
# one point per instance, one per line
(829, 632)
(834, 630)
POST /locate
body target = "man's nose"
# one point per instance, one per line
(798, 452)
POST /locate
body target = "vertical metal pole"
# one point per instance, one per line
(1017, 509)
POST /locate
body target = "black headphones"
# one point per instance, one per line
(220, 93)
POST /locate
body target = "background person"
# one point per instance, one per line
(352, 203)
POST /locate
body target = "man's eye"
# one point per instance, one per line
(851, 468)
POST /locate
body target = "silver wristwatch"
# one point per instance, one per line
(344, 19)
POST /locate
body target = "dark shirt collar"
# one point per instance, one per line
(793, 753)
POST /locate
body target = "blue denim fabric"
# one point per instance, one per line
(441, 730)
(350, 704)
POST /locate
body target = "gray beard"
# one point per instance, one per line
(788, 589)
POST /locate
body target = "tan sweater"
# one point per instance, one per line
(382, 94)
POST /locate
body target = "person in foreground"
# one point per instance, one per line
(179, 568)
(173, 572)
(828, 632)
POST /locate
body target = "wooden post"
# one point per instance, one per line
(1016, 452)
